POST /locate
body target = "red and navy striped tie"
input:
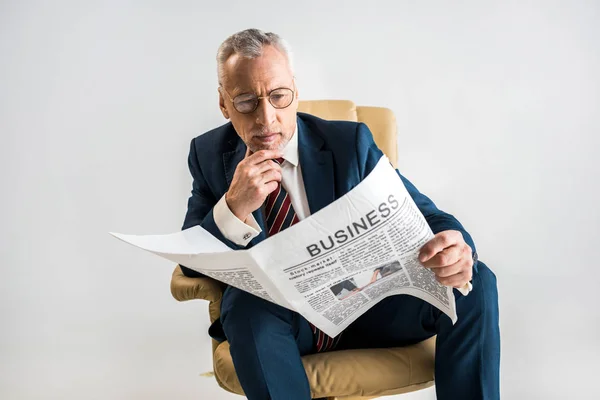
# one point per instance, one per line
(281, 215)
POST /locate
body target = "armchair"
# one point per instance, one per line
(346, 374)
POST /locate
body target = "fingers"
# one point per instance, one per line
(270, 187)
(256, 165)
(455, 274)
(457, 280)
(444, 258)
(258, 175)
(271, 175)
(454, 260)
(439, 242)
(254, 178)
(449, 258)
(463, 264)
(259, 180)
(262, 155)
(265, 166)
(259, 163)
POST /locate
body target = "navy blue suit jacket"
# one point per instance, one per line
(335, 157)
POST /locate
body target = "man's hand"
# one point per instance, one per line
(449, 257)
(255, 177)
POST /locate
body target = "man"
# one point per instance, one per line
(270, 162)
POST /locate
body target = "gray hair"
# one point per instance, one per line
(249, 44)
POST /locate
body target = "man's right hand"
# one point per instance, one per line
(255, 177)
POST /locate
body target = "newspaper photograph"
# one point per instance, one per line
(330, 267)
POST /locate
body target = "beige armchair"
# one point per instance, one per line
(346, 374)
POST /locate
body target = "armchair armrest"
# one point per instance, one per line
(184, 288)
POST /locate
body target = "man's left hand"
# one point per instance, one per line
(449, 257)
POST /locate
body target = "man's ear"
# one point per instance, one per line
(296, 100)
(296, 92)
(222, 105)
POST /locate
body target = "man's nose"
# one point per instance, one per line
(266, 113)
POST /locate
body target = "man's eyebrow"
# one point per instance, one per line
(280, 85)
(237, 90)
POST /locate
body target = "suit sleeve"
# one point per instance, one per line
(438, 220)
(200, 206)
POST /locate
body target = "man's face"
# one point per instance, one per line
(267, 128)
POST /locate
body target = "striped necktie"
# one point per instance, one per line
(280, 215)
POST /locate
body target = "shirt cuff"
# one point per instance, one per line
(466, 289)
(232, 227)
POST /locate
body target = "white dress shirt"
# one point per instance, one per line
(241, 233)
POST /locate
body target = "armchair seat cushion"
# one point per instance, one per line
(351, 373)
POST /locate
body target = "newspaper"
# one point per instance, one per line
(330, 267)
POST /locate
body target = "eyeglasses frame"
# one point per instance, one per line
(258, 98)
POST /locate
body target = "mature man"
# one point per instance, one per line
(271, 161)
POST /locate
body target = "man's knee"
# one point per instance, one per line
(486, 278)
(485, 287)
(242, 311)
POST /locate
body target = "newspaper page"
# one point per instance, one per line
(330, 267)
(197, 249)
(362, 248)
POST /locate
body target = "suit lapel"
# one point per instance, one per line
(317, 168)
(232, 158)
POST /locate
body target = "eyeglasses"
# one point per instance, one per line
(247, 103)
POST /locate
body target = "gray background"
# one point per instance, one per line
(497, 106)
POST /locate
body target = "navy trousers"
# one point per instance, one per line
(267, 341)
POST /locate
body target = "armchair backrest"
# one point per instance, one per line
(381, 121)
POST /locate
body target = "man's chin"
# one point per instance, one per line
(254, 148)
(255, 145)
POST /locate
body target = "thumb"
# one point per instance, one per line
(426, 253)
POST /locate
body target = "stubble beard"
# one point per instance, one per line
(283, 141)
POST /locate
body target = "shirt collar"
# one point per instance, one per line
(290, 151)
